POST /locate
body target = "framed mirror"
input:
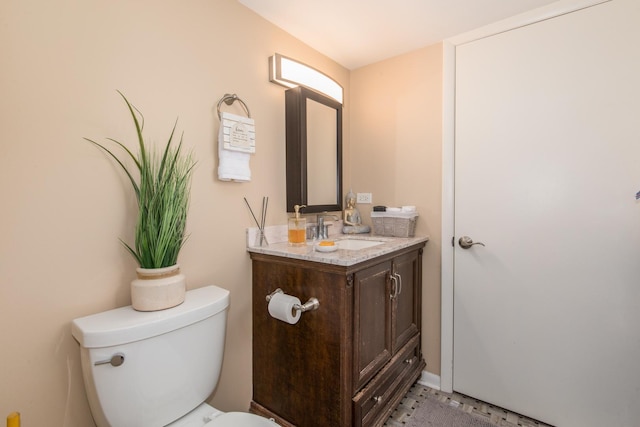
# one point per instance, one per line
(314, 151)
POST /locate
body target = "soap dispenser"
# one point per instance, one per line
(297, 228)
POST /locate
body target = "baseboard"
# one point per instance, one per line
(430, 380)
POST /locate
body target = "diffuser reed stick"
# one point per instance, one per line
(260, 224)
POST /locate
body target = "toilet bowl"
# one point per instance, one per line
(211, 417)
(151, 369)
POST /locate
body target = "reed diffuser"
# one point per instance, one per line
(261, 239)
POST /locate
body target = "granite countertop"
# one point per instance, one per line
(343, 257)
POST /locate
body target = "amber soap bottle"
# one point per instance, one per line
(297, 228)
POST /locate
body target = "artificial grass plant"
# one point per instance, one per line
(162, 194)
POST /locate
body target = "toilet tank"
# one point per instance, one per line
(171, 359)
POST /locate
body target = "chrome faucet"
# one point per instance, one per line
(321, 227)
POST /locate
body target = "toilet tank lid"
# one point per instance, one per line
(124, 325)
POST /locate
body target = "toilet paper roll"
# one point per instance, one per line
(281, 308)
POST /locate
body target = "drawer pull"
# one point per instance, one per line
(409, 361)
(377, 399)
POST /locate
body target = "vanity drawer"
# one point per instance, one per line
(373, 404)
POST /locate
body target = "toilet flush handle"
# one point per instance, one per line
(116, 360)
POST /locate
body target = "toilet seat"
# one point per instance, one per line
(240, 419)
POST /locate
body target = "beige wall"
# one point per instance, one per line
(64, 204)
(395, 150)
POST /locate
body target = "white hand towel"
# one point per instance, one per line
(233, 165)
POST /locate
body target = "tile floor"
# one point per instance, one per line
(493, 414)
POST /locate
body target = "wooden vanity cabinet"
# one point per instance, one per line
(348, 363)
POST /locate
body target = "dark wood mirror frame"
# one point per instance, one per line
(297, 159)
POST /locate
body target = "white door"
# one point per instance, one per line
(547, 164)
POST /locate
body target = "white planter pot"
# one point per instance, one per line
(157, 288)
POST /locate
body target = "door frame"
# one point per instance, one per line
(553, 10)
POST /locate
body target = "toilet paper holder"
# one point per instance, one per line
(311, 304)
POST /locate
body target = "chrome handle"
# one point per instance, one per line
(465, 242)
(116, 360)
(400, 282)
(395, 286)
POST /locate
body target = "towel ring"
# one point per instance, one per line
(230, 99)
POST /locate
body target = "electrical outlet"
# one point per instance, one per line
(364, 198)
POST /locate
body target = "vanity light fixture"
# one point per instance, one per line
(291, 73)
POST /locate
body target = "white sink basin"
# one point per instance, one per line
(357, 244)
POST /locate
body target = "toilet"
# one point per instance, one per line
(153, 369)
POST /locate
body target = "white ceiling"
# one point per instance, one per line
(360, 32)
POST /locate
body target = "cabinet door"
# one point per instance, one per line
(405, 305)
(318, 347)
(372, 321)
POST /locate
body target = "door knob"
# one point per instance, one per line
(466, 242)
